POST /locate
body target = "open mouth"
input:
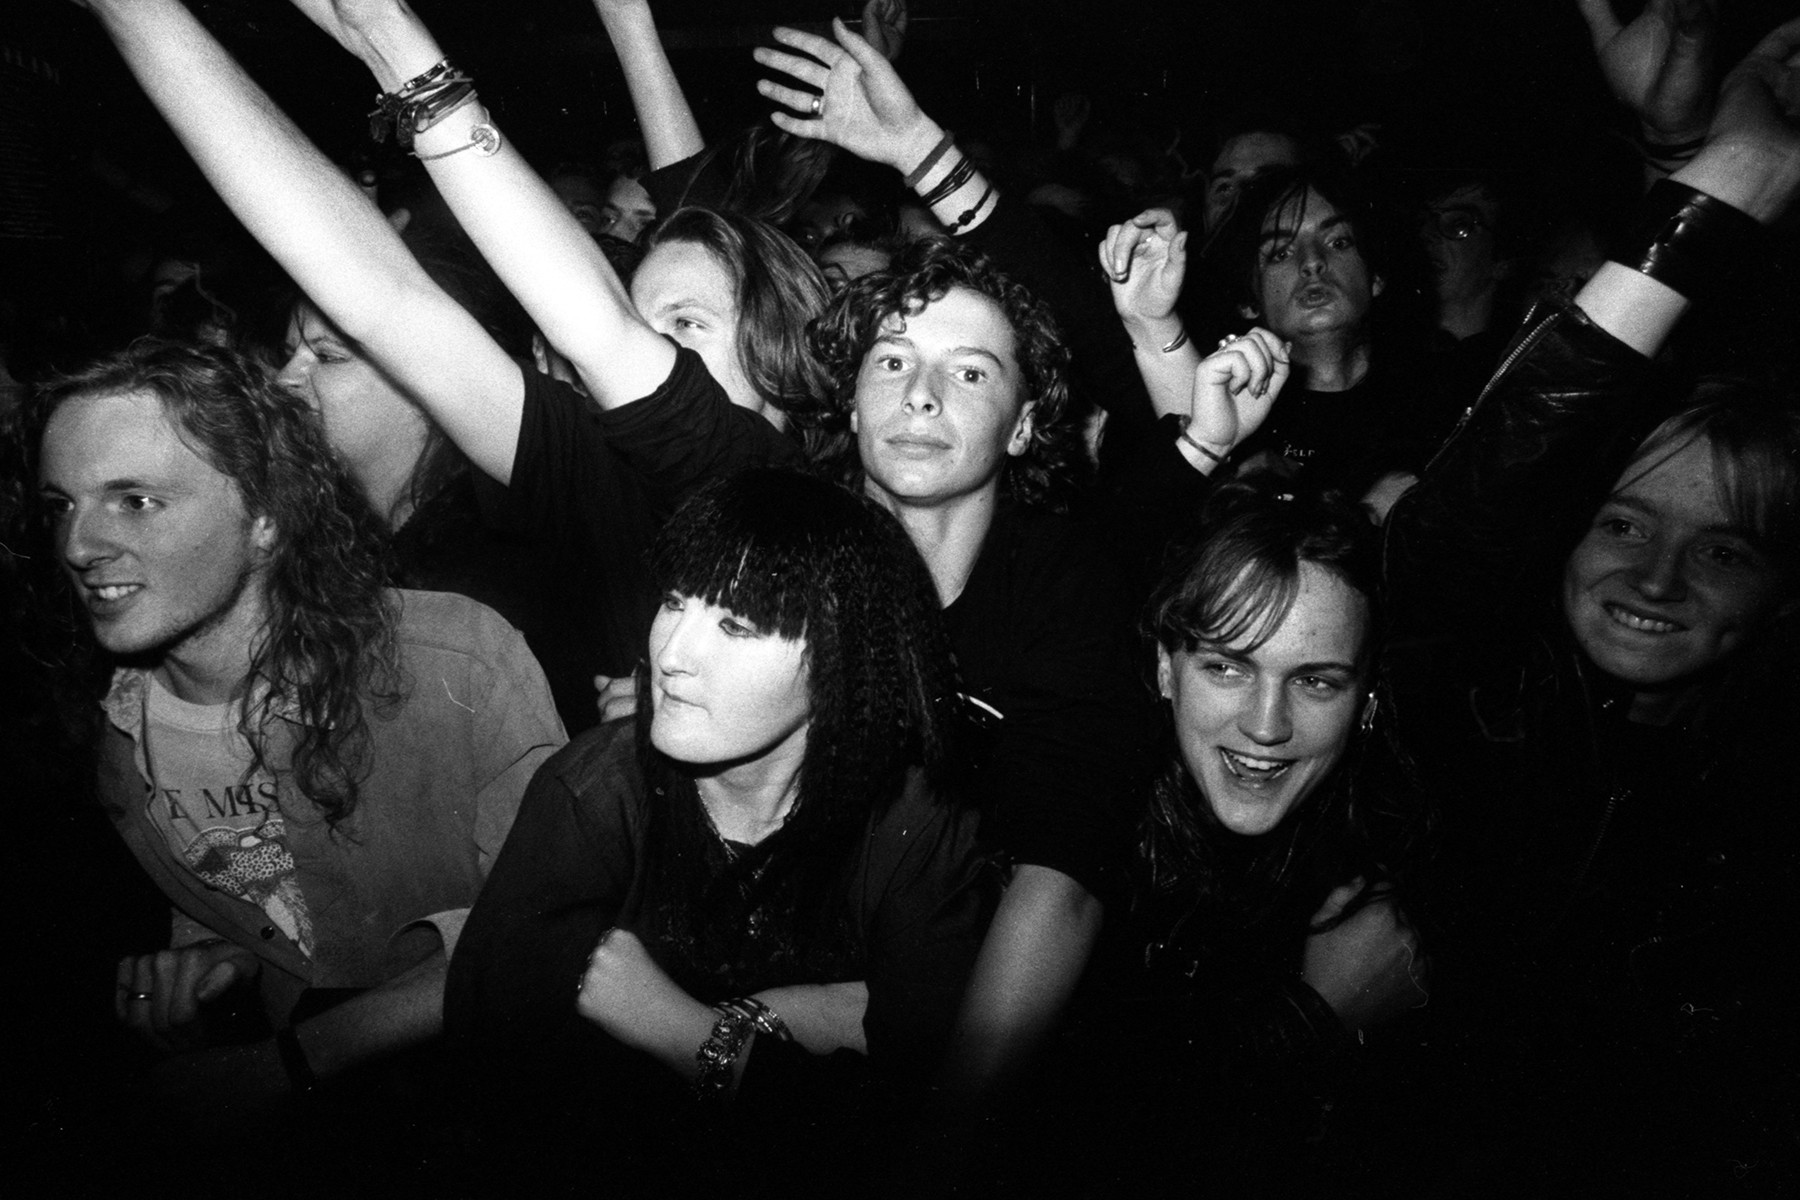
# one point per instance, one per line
(1253, 770)
(1639, 623)
(112, 593)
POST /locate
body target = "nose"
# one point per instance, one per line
(84, 539)
(921, 393)
(1312, 257)
(293, 373)
(1662, 573)
(1266, 720)
(671, 640)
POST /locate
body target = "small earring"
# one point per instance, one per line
(1370, 709)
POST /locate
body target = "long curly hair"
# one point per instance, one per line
(779, 291)
(328, 650)
(1237, 581)
(1046, 474)
(806, 560)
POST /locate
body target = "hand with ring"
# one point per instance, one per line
(162, 995)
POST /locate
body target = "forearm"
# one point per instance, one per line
(534, 244)
(670, 131)
(1030, 962)
(1168, 374)
(406, 1011)
(313, 219)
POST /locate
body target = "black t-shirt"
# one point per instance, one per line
(595, 486)
(1344, 440)
(1043, 637)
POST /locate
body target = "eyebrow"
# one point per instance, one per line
(1289, 233)
(1638, 506)
(675, 305)
(1310, 668)
(978, 351)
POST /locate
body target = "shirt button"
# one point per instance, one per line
(267, 932)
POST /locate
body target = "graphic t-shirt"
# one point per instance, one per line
(221, 818)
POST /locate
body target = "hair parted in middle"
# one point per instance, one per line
(779, 291)
(328, 652)
(802, 559)
(925, 271)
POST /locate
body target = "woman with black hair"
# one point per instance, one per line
(758, 888)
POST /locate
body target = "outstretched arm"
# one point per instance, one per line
(863, 107)
(1660, 67)
(1145, 260)
(670, 131)
(1750, 161)
(321, 228)
(538, 249)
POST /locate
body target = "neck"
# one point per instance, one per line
(386, 482)
(748, 801)
(1332, 362)
(212, 664)
(948, 534)
(1465, 316)
(1659, 708)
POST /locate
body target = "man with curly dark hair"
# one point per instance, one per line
(314, 769)
(952, 380)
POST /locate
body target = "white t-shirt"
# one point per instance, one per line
(221, 818)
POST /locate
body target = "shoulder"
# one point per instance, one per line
(445, 623)
(1048, 561)
(598, 770)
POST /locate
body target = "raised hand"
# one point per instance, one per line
(884, 25)
(862, 106)
(161, 995)
(1235, 387)
(1145, 260)
(1659, 65)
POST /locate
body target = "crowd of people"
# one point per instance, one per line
(840, 655)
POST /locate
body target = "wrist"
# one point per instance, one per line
(1150, 331)
(396, 47)
(910, 148)
(1757, 180)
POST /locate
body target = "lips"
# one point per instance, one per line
(1314, 295)
(107, 595)
(1639, 622)
(1253, 770)
(917, 445)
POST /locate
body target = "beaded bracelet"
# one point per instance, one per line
(1687, 240)
(968, 214)
(718, 1054)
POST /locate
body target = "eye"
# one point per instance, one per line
(688, 325)
(1224, 187)
(1728, 557)
(737, 627)
(1224, 670)
(1620, 527)
(891, 362)
(1322, 686)
(1276, 254)
(57, 506)
(137, 502)
(1343, 242)
(971, 375)
(672, 603)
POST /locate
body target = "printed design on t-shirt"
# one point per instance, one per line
(255, 865)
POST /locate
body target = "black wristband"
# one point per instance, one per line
(293, 1061)
(1689, 241)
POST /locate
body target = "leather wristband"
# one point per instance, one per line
(1688, 241)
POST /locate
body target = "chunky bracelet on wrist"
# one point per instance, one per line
(420, 103)
(766, 1020)
(947, 187)
(718, 1054)
(1687, 240)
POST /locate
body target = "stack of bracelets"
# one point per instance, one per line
(422, 102)
(718, 1054)
(960, 174)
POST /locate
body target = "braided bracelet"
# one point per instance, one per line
(969, 213)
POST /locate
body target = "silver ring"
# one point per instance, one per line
(136, 996)
(817, 104)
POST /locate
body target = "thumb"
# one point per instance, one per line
(218, 979)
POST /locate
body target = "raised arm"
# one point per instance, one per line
(320, 227)
(1749, 164)
(1145, 260)
(539, 250)
(1660, 67)
(670, 131)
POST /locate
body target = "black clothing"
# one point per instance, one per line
(1042, 635)
(576, 864)
(594, 486)
(1611, 895)
(1343, 441)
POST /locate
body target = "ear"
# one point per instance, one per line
(1165, 674)
(853, 421)
(263, 534)
(1377, 286)
(1250, 312)
(1021, 434)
